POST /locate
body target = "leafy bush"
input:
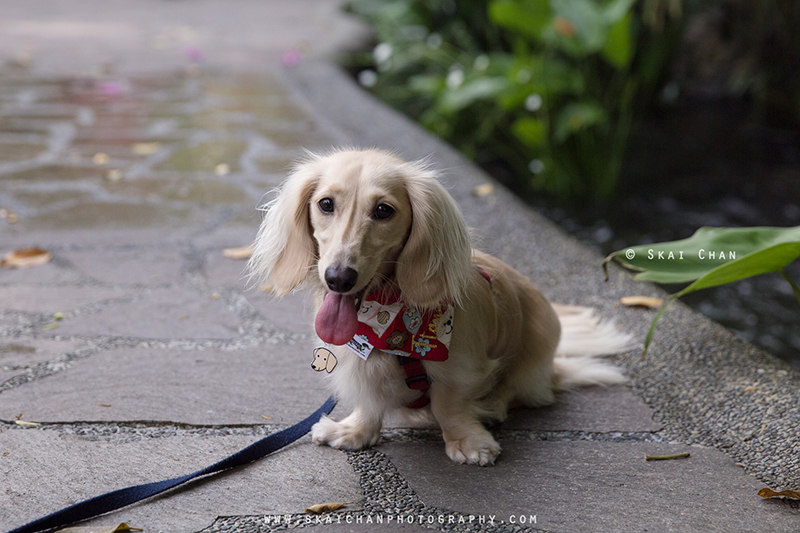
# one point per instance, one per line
(549, 87)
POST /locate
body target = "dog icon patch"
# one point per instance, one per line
(324, 360)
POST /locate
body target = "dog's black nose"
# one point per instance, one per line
(340, 279)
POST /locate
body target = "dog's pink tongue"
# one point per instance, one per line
(336, 321)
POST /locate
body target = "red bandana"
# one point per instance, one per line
(388, 324)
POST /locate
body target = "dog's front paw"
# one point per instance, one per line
(348, 434)
(475, 449)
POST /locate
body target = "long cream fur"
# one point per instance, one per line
(510, 345)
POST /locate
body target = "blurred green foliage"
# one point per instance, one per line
(549, 87)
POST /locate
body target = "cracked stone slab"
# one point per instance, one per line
(128, 266)
(49, 274)
(48, 300)
(294, 312)
(591, 409)
(68, 469)
(18, 354)
(191, 386)
(166, 313)
(595, 486)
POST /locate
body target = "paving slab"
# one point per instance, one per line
(24, 353)
(70, 468)
(138, 266)
(191, 386)
(595, 486)
(49, 300)
(159, 313)
(592, 409)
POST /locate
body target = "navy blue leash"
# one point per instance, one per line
(117, 499)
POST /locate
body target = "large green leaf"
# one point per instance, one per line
(530, 131)
(578, 116)
(690, 259)
(712, 257)
(526, 16)
(618, 49)
(472, 91)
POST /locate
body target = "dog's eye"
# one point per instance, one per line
(384, 212)
(326, 205)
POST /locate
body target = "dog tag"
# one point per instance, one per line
(323, 360)
(360, 346)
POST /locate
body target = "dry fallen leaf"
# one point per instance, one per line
(8, 216)
(223, 169)
(100, 158)
(25, 257)
(114, 174)
(26, 423)
(483, 190)
(642, 301)
(99, 529)
(325, 507)
(667, 457)
(243, 252)
(767, 492)
(145, 148)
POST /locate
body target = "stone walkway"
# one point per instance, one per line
(135, 146)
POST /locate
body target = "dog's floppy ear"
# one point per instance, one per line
(436, 261)
(285, 250)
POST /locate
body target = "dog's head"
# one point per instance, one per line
(353, 220)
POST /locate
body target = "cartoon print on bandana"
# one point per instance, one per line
(412, 319)
(444, 328)
(422, 347)
(378, 317)
(387, 324)
(397, 340)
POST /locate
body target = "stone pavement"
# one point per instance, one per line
(136, 142)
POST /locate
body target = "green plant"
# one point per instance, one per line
(711, 257)
(549, 87)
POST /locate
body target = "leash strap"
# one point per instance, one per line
(117, 499)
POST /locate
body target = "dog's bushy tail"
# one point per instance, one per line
(584, 338)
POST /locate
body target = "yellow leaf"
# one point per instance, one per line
(100, 158)
(8, 215)
(325, 507)
(114, 174)
(145, 148)
(26, 257)
(243, 252)
(642, 301)
(483, 190)
(767, 492)
(667, 457)
(25, 423)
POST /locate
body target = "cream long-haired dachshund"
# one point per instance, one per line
(387, 252)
